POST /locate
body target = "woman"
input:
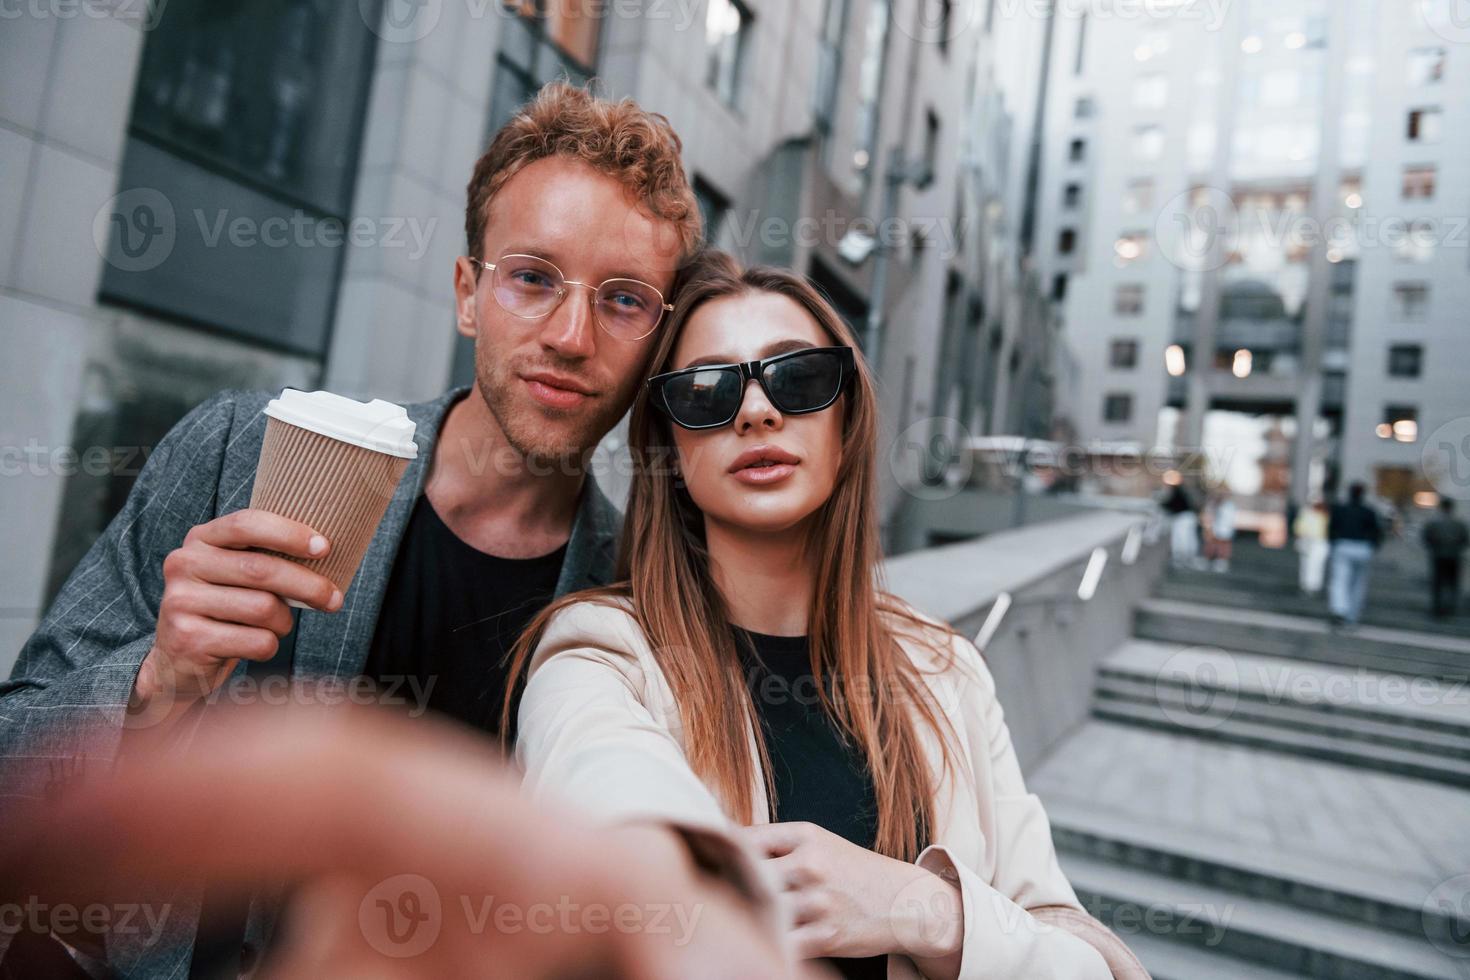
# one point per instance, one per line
(1222, 532)
(1310, 530)
(748, 672)
(1183, 527)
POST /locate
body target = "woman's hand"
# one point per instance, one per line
(849, 901)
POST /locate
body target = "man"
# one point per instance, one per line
(1446, 539)
(1354, 532)
(495, 517)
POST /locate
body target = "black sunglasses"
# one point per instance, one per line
(709, 395)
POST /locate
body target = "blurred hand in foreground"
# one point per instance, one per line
(406, 851)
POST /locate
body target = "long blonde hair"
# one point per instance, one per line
(866, 683)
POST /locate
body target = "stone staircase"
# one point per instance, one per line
(1258, 796)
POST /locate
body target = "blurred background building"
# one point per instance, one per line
(251, 195)
(1254, 216)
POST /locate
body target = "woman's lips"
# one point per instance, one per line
(764, 475)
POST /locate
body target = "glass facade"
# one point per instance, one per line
(251, 117)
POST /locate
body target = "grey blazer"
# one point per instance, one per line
(64, 704)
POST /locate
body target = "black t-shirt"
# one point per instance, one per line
(819, 776)
(450, 615)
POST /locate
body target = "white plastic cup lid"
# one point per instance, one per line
(378, 425)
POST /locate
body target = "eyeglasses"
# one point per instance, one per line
(709, 395)
(529, 287)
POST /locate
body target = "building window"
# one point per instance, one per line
(1117, 407)
(1419, 181)
(1081, 62)
(931, 141)
(713, 208)
(546, 41)
(1138, 197)
(946, 17)
(1405, 360)
(1152, 45)
(829, 71)
(1067, 241)
(726, 33)
(1400, 423)
(1410, 301)
(1415, 241)
(1077, 152)
(1148, 143)
(1059, 288)
(1426, 66)
(1086, 107)
(1123, 354)
(242, 110)
(1425, 125)
(1151, 91)
(870, 80)
(1072, 196)
(1130, 247)
(1280, 89)
(1128, 300)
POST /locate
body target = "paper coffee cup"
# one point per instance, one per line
(333, 464)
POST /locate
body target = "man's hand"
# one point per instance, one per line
(224, 601)
(406, 849)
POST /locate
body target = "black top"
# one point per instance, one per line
(819, 777)
(1354, 522)
(1446, 537)
(450, 615)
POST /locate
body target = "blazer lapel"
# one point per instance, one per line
(590, 550)
(336, 644)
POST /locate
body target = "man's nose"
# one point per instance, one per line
(570, 330)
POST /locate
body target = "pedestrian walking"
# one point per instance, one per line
(1445, 538)
(1354, 531)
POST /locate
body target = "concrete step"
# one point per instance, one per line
(1352, 701)
(1395, 651)
(1410, 726)
(1400, 609)
(1273, 934)
(1166, 960)
(1367, 850)
(1414, 763)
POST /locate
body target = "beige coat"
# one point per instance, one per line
(599, 729)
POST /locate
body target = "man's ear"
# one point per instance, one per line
(465, 284)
